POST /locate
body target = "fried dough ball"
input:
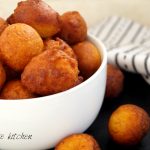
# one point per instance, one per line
(73, 27)
(128, 124)
(115, 81)
(78, 142)
(60, 45)
(3, 25)
(18, 44)
(51, 44)
(2, 76)
(15, 90)
(88, 57)
(51, 72)
(37, 14)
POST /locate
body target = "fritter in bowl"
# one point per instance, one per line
(73, 27)
(37, 14)
(3, 25)
(15, 90)
(88, 56)
(60, 45)
(51, 72)
(18, 44)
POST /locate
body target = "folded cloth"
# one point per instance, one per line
(127, 43)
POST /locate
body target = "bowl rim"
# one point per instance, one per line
(99, 44)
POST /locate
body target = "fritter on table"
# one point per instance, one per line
(78, 142)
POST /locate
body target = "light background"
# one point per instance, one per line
(93, 10)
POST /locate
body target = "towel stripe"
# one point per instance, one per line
(146, 65)
(136, 34)
(132, 49)
(133, 63)
(125, 33)
(116, 59)
(106, 22)
(111, 29)
(127, 43)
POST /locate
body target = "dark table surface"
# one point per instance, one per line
(136, 91)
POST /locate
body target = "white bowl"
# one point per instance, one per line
(46, 120)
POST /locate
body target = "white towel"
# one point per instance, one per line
(127, 43)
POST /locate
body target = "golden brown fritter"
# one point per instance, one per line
(115, 81)
(51, 44)
(88, 57)
(78, 142)
(128, 124)
(3, 25)
(73, 27)
(2, 76)
(15, 90)
(18, 44)
(51, 72)
(60, 45)
(37, 14)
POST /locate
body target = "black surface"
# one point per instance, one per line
(136, 91)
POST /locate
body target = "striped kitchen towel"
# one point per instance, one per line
(127, 43)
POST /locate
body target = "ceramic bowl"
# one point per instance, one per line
(40, 123)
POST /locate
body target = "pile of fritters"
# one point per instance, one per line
(44, 53)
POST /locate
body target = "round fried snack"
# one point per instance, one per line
(78, 142)
(15, 90)
(128, 124)
(2, 76)
(3, 25)
(51, 44)
(115, 81)
(73, 27)
(88, 57)
(60, 45)
(51, 72)
(37, 14)
(18, 44)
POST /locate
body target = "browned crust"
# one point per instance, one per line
(15, 90)
(3, 25)
(89, 58)
(115, 81)
(51, 72)
(73, 27)
(18, 44)
(78, 141)
(45, 20)
(128, 124)
(59, 44)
